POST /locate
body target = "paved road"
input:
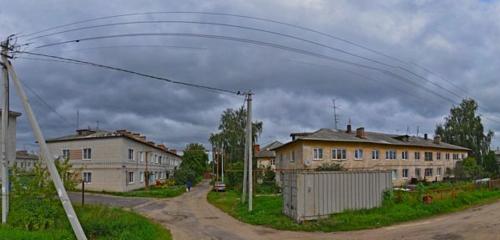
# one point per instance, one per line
(190, 216)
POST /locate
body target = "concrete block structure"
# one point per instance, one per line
(11, 135)
(405, 156)
(116, 161)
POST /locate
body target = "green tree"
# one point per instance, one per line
(463, 127)
(231, 133)
(490, 164)
(468, 169)
(194, 163)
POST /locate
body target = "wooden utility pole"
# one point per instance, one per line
(47, 157)
(5, 128)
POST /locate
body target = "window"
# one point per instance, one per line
(394, 174)
(65, 153)
(447, 156)
(141, 156)
(87, 154)
(339, 154)
(141, 176)
(375, 154)
(87, 177)
(439, 172)
(404, 155)
(438, 156)
(405, 173)
(417, 173)
(390, 154)
(358, 154)
(130, 177)
(417, 155)
(159, 159)
(317, 153)
(428, 172)
(292, 159)
(273, 162)
(428, 156)
(130, 154)
(462, 156)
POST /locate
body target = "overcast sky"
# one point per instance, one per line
(424, 56)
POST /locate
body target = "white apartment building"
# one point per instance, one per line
(116, 161)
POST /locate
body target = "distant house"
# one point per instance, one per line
(115, 161)
(497, 156)
(406, 156)
(26, 161)
(265, 156)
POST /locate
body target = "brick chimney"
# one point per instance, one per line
(360, 132)
(349, 128)
(256, 148)
(425, 136)
(437, 139)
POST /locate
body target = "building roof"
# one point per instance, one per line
(332, 135)
(23, 154)
(89, 134)
(266, 150)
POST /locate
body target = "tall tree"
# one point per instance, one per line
(463, 127)
(231, 133)
(194, 163)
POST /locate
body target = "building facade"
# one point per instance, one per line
(26, 161)
(406, 156)
(115, 161)
(265, 157)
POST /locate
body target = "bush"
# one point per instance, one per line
(234, 176)
(330, 167)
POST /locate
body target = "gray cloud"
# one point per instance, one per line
(457, 41)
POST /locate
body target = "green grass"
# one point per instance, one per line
(268, 211)
(98, 222)
(153, 192)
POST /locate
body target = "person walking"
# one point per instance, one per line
(189, 184)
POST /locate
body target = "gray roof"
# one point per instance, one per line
(325, 134)
(23, 154)
(266, 150)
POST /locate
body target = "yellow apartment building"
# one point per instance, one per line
(406, 156)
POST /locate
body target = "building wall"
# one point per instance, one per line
(305, 151)
(265, 162)
(110, 164)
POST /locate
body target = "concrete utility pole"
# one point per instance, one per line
(250, 146)
(5, 127)
(245, 167)
(335, 119)
(49, 160)
(222, 164)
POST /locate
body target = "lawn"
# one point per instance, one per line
(404, 207)
(98, 222)
(153, 192)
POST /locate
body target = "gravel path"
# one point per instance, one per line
(190, 216)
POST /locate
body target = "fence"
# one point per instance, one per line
(311, 195)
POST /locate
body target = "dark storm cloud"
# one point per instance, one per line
(458, 42)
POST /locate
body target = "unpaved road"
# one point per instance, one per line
(190, 216)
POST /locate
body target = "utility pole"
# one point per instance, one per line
(49, 160)
(222, 164)
(249, 149)
(245, 165)
(5, 127)
(335, 119)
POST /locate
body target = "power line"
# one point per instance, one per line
(307, 29)
(253, 29)
(134, 72)
(254, 42)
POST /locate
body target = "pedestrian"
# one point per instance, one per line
(189, 184)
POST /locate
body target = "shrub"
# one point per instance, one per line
(330, 167)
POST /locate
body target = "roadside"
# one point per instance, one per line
(190, 216)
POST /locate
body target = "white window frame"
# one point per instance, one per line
(130, 178)
(394, 174)
(130, 153)
(404, 155)
(427, 154)
(431, 171)
(419, 174)
(417, 156)
(85, 179)
(391, 154)
(439, 171)
(403, 173)
(317, 154)
(438, 155)
(341, 151)
(358, 154)
(292, 158)
(375, 154)
(64, 155)
(141, 176)
(83, 153)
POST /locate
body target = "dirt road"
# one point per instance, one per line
(190, 216)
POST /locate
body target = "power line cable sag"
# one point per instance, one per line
(253, 29)
(268, 20)
(254, 42)
(135, 73)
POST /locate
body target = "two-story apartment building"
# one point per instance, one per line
(115, 161)
(26, 161)
(406, 156)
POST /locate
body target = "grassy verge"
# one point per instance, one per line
(267, 211)
(153, 192)
(98, 222)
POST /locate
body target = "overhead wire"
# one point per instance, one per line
(263, 19)
(253, 29)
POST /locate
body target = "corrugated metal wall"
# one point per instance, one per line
(310, 195)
